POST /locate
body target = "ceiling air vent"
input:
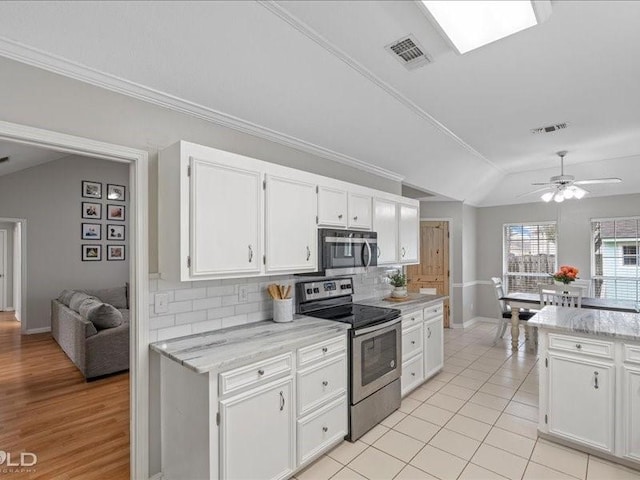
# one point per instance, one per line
(550, 128)
(4, 159)
(409, 52)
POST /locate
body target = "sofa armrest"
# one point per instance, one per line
(70, 330)
(108, 351)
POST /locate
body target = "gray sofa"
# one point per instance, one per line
(97, 347)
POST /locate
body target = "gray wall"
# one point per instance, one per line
(49, 198)
(574, 233)
(8, 226)
(42, 99)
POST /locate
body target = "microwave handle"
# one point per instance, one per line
(366, 243)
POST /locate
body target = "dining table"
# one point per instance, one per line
(531, 301)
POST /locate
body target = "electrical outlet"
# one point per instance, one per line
(161, 303)
(243, 293)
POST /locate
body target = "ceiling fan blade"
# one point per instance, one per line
(543, 183)
(597, 181)
(538, 190)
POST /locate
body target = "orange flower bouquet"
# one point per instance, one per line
(566, 274)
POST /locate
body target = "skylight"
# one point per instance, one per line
(472, 24)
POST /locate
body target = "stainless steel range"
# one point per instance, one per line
(375, 349)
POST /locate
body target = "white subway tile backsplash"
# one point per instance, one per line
(191, 317)
(220, 312)
(207, 303)
(179, 307)
(253, 307)
(173, 332)
(259, 316)
(222, 290)
(190, 294)
(230, 300)
(164, 285)
(206, 326)
(233, 321)
(162, 322)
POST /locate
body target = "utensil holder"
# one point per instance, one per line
(283, 310)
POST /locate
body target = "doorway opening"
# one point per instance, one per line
(12, 262)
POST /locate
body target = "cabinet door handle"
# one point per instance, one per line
(413, 374)
(325, 349)
(403, 252)
(308, 253)
(250, 254)
(428, 332)
(413, 342)
(578, 346)
(325, 383)
(355, 218)
(340, 216)
(260, 372)
(595, 380)
(325, 429)
(379, 252)
(281, 401)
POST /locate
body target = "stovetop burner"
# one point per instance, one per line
(357, 315)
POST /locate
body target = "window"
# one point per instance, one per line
(529, 255)
(614, 260)
(629, 255)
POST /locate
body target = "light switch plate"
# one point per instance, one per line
(161, 303)
(243, 293)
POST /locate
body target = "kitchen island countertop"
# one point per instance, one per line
(225, 348)
(414, 301)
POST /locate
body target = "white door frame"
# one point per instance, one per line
(3, 252)
(23, 269)
(138, 271)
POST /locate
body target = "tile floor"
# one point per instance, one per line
(474, 420)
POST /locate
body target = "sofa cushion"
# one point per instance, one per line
(116, 296)
(102, 315)
(65, 297)
(76, 300)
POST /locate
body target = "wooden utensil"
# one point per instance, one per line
(287, 292)
(273, 291)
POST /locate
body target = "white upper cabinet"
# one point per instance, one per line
(332, 207)
(409, 234)
(291, 236)
(385, 223)
(225, 223)
(359, 211)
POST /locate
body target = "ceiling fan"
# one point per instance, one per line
(564, 187)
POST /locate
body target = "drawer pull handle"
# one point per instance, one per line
(413, 374)
(429, 331)
(281, 401)
(595, 383)
(325, 429)
(413, 342)
(325, 349)
(325, 383)
(260, 372)
(340, 216)
(578, 346)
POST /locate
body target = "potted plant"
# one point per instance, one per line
(399, 282)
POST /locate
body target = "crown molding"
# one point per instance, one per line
(62, 66)
(310, 33)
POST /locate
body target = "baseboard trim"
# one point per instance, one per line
(157, 476)
(473, 321)
(31, 331)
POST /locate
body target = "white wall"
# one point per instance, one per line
(574, 233)
(17, 271)
(49, 198)
(8, 278)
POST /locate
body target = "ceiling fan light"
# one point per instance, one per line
(547, 197)
(569, 193)
(579, 192)
(558, 197)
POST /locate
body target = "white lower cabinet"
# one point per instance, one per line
(258, 423)
(581, 400)
(321, 429)
(434, 346)
(631, 412)
(412, 374)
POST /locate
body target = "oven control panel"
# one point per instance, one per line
(320, 289)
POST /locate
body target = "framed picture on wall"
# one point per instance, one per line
(115, 212)
(115, 252)
(91, 253)
(116, 192)
(91, 189)
(115, 232)
(91, 231)
(92, 210)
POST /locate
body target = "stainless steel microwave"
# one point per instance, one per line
(346, 251)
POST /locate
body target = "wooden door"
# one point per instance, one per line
(433, 270)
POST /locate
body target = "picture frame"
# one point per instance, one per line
(91, 231)
(91, 210)
(116, 192)
(116, 232)
(116, 253)
(91, 253)
(91, 189)
(116, 212)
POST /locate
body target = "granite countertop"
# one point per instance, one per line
(602, 323)
(234, 346)
(414, 301)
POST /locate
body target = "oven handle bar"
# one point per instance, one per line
(349, 240)
(380, 326)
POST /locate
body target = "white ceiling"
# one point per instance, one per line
(24, 156)
(318, 72)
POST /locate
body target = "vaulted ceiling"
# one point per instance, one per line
(317, 72)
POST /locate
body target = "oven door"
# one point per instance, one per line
(345, 251)
(375, 358)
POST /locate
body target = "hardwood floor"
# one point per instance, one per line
(76, 429)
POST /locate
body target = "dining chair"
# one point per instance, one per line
(560, 295)
(585, 285)
(504, 310)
